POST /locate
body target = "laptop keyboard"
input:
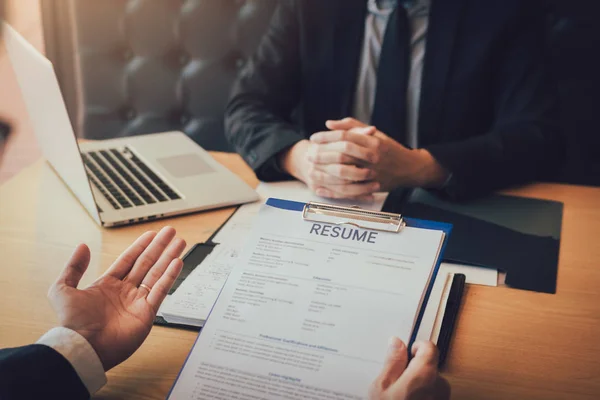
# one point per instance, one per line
(125, 180)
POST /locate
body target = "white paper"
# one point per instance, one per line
(433, 308)
(240, 223)
(436, 306)
(304, 315)
(192, 301)
(439, 319)
(474, 275)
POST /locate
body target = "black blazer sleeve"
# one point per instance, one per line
(258, 116)
(38, 372)
(526, 142)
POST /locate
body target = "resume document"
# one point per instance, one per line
(308, 310)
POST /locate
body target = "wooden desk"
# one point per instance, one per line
(508, 344)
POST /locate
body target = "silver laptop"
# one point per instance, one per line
(120, 181)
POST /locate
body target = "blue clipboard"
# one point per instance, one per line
(394, 224)
(414, 223)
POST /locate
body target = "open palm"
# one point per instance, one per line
(116, 312)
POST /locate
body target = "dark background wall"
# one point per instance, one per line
(575, 50)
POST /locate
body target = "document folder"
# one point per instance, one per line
(372, 220)
(196, 255)
(316, 292)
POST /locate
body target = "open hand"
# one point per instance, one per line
(417, 380)
(116, 312)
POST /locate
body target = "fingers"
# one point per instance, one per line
(328, 154)
(394, 366)
(344, 124)
(150, 255)
(343, 182)
(360, 136)
(418, 380)
(161, 289)
(75, 268)
(172, 252)
(346, 172)
(342, 152)
(425, 353)
(363, 191)
(318, 177)
(422, 372)
(332, 157)
(122, 266)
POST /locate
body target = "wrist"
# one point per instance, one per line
(432, 174)
(292, 159)
(82, 356)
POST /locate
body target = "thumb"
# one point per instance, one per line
(394, 366)
(75, 268)
(421, 375)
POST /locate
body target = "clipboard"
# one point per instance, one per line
(354, 217)
(369, 220)
(200, 251)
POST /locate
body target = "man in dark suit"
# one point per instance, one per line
(451, 95)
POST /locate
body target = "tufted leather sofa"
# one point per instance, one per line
(129, 67)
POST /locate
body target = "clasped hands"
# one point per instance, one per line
(353, 161)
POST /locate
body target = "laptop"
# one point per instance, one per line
(126, 180)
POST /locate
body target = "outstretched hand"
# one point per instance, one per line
(116, 312)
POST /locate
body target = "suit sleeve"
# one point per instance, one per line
(526, 142)
(258, 116)
(38, 372)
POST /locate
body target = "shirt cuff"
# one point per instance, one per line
(80, 353)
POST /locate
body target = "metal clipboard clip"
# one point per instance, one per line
(353, 216)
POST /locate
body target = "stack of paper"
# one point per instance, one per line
(192, 301)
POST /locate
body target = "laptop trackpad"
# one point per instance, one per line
(185, 165)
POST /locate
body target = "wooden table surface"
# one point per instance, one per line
(508, 344)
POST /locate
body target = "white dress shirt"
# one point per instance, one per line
(80, 353)
(375, 25)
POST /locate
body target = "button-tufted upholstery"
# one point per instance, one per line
(137, 66)
(144, 66)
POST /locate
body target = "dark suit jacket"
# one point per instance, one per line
(38, 372)
(488, 108)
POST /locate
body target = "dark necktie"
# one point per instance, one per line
(389, 110)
